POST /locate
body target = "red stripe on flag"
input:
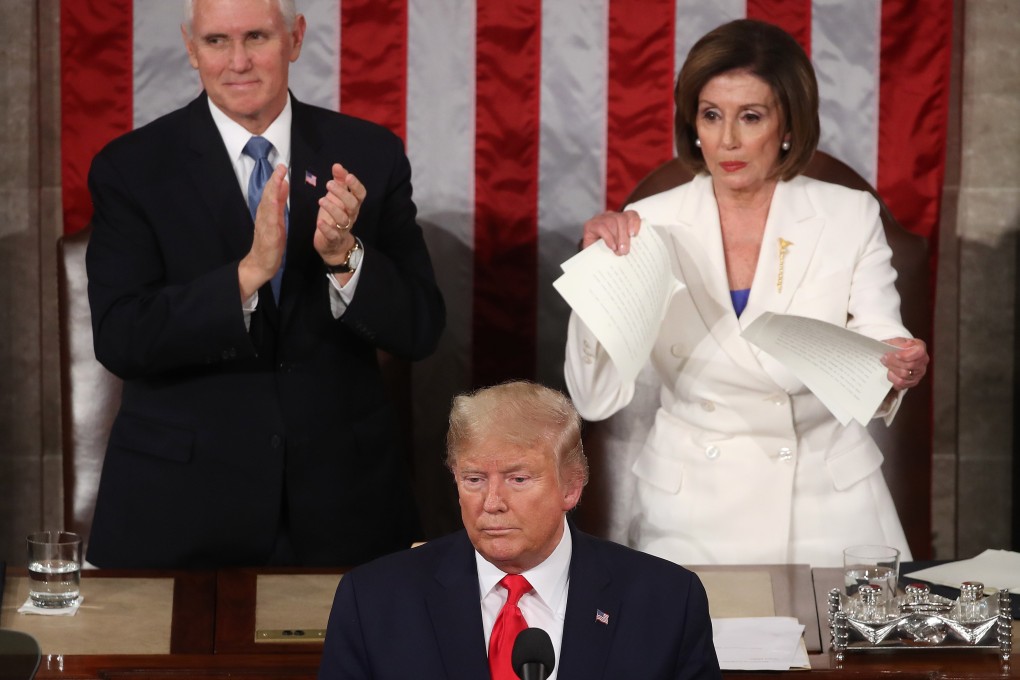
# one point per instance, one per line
(96, 84)
(913, 107)
(508, 67)
(639, 115)
(373, 61)
(793, 16)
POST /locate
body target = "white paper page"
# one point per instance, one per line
(622, 299)
(842, 368)
(997, 569)
(759, 644)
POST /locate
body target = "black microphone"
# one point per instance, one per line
(533, 657)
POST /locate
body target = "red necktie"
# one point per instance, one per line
(508, 624)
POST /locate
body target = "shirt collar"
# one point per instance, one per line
(235, 136)
(548, 580)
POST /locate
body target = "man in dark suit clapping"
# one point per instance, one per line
(249, 256)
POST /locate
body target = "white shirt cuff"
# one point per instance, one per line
(248, 307)
(340, 296)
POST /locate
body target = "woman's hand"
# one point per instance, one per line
(615, 228)
(908, 364)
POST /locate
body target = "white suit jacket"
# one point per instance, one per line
(743, 464)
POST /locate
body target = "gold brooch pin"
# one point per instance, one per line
(783, 246)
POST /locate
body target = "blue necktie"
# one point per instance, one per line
(258, 148)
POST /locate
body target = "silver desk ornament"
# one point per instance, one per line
(920, 619)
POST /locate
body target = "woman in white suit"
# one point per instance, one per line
(743, 463)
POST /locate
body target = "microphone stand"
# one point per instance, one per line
(534, 671)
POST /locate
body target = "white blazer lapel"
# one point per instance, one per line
(698, 252)
(791, 234)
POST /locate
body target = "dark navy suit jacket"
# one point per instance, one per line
(224, 432)
(417, 614)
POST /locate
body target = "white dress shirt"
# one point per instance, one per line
(545, 606)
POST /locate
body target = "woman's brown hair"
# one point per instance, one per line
(769, 53)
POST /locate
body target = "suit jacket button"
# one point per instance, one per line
(712, 452)
(785, 454)
(677, 350)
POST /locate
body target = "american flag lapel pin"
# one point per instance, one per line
(310, 179)
(602, 617)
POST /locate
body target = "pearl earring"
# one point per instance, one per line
(786, 145)
(697, 143)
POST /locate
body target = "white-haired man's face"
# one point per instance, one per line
(242, 50)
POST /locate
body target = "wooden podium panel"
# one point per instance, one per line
(288, 601)
(124, 612)
(117, 616)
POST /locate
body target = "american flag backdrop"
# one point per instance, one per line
(522, 118)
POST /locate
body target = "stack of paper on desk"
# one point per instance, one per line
(760, 644)
(995, 568)
(621, 299)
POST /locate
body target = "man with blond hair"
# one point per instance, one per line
(453, 607)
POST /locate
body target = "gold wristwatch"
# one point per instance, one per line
(350, 263)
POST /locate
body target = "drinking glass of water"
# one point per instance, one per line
(54, 568)
(876, 565)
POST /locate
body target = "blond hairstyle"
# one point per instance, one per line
(524, 414)
(765, 51)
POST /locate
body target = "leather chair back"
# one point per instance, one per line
(906, 444)
(90, 394)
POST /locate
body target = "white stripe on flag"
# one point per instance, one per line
(163, 78)
(315, 77)
(441, 148)
(845, 48)
(572, 151)
(695, 18)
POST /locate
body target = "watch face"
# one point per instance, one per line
(355, 259)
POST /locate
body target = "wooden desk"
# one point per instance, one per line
(215, 616)
(207, 615)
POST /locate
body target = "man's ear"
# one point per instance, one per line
(571, 494)
(297, 37)
(189, 45)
